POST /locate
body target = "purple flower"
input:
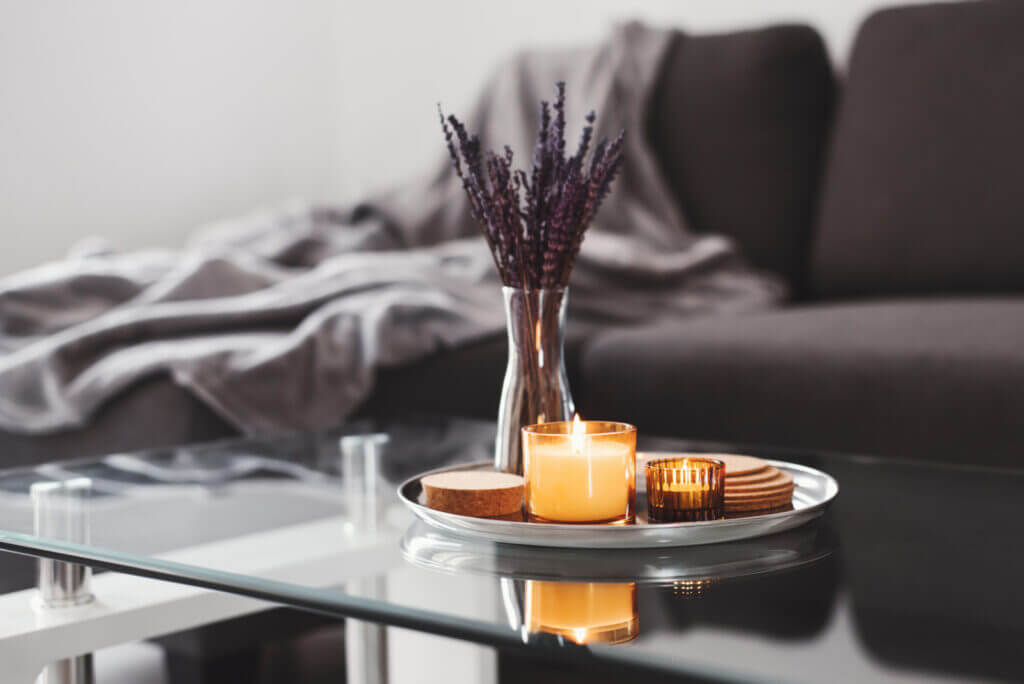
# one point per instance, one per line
(534, 223)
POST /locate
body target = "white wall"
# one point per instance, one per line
(139, 120)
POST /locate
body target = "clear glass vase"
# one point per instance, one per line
(536, 388)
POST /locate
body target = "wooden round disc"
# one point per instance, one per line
(479, 493)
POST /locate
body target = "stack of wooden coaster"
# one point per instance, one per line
(754, 487)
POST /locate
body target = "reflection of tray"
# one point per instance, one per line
(431, 548)
(814, 490)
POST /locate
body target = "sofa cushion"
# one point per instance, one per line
(740, 122)
(154, 412)
(938, 380)
(923, 190)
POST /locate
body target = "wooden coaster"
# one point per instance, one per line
(479, 493)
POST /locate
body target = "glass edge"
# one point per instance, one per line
(336, 604)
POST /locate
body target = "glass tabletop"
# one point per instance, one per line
(914, 573)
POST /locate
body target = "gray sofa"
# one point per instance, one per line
(905, 337)
(892, 203)
(889, 199)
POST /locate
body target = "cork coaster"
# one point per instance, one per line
(764, 511)
(761, 505)
(479, 493)
(754, 496)
(782, 490)
(737, 465)
(766, 474)
(779, 482)
(758, 504)
(750, 502)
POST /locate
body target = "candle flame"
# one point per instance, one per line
(579, 430)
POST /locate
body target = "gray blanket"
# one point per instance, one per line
(279, 320)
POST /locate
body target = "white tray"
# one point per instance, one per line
(811, 495)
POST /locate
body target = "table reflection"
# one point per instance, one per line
(588, 596)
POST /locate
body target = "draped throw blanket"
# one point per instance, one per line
(279, 320)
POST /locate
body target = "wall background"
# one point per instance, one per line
(139, 121)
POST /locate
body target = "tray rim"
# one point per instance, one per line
(614, 532)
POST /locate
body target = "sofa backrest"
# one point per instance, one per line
(740, 123)
(924, 187)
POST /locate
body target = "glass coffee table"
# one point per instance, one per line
(913, 574)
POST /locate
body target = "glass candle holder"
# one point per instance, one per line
(583, 612)
(685, 489)
(580, 472)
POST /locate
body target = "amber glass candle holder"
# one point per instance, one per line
(580, 472)
(583, 612)
(685, 489)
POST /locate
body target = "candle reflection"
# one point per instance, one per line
(690, 589)
(583, 612)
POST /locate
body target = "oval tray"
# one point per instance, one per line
(812, 494)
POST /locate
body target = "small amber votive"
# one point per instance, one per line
(580, 472)
(583, 612)
(685, 489)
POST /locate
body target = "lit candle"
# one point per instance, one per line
(685, 489)
(580, 472)
(583, 612)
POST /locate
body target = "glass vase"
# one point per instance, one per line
(536, 388)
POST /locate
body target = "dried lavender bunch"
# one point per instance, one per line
(534, 222)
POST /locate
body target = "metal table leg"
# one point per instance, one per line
(366, 643)
(61, 513)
